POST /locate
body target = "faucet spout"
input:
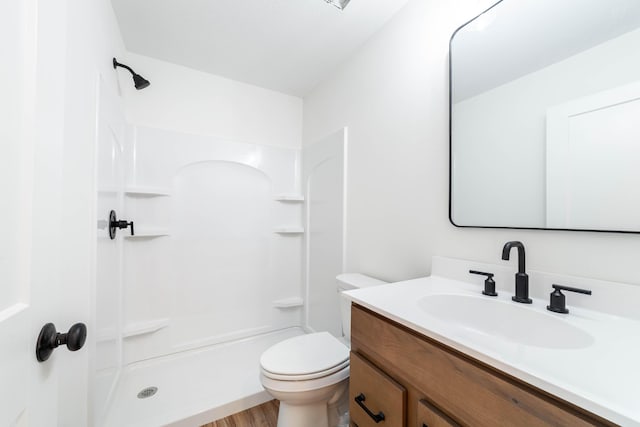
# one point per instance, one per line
(506, 252)
(522, 279)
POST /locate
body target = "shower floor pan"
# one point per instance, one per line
(194, 387)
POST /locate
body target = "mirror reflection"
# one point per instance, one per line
(545, 116)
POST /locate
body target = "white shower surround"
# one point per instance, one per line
(324, 180)
(194, 387)
(214, 274)
(212, 265)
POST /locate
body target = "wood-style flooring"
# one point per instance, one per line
(265, 415)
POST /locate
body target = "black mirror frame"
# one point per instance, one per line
(451, 155)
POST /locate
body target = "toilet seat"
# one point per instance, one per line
(288, 386)
(305, 357)
(305, 377)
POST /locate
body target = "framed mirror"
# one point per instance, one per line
(545, 116)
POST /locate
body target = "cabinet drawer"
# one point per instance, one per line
(373, 394)
(430, 416)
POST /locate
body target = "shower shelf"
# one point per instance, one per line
(289, 197)
(289, 230)
(288, 302)
(108, 191)
(106, 335)
(135, 191)
(144, 328)
(149, 233)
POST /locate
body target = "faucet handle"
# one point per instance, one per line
(489, 283)
(558, 301)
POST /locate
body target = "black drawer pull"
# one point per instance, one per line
(375, 417)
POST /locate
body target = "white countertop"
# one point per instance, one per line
(602, 377)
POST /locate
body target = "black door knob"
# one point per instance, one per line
(49, 339)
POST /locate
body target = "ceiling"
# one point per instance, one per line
(284, 45)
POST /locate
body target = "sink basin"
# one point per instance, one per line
(509, 321)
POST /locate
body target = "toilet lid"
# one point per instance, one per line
(304, 355)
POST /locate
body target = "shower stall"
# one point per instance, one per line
(232, 248)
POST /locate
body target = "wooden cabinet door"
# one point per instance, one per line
(430, 416)
(375, 399)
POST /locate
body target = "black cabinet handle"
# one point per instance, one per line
(375, 417)
(50, 339)
(115, 224)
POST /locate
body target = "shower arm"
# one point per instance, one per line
(116, 64)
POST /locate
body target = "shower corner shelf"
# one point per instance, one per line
(289, 197)
(141, 191)
(288, 230)
(149, 233)
(144, 328)
(292, 302)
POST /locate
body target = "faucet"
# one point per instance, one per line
(522, 279)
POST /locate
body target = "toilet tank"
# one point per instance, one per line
(347, 282)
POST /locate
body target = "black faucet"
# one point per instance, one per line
(522, 279)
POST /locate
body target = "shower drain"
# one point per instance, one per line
(147, 392)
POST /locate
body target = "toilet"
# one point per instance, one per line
(309, 374)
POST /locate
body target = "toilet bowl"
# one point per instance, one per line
(306, 374)
(309, 374)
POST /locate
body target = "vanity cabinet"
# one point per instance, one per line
(397, 369)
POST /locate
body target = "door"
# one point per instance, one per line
(592, 167)
(35, 284)
(16, 167)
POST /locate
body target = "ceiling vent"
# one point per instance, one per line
(340, 4)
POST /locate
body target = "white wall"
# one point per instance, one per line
(186, 100)
(393, 95)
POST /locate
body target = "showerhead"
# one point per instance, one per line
(138, 81)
